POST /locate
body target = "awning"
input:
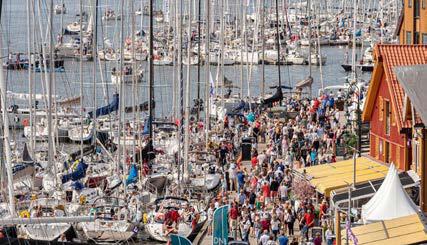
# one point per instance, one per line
(368, 189)
(328, 177)
(404, 230)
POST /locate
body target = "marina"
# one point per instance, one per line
(213, 122)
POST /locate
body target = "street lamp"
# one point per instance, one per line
(354, 86)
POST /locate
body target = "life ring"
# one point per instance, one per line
(24, 214)
(26, 122)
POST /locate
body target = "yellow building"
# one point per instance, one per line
(412, 80)
(412, 26)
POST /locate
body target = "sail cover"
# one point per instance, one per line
(113, 106)
(278, 96)
(78, 172)
(26, 158)
(239, 107)
(390, 202)
(133, 175)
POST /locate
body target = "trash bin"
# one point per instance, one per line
(246, 149)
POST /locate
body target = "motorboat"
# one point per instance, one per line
(74, 28)
(126, 76)
(60, 9)
(111, 15)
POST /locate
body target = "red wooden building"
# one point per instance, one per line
(390, 133)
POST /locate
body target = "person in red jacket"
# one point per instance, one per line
(266, 192)
(234, 215)
(309, 222)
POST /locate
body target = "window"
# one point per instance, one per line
(416, 154)
(387, 152)
(416, 37)
(408, 37)
(417, 8)
(424, 38)
(387, 117)
(409, 3)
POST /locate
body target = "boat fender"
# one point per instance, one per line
(25, 122)
(145, 218)
(24, 214)
(82, 199)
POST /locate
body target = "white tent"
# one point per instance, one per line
(390, 201)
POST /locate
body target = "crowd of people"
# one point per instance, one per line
(263, 196)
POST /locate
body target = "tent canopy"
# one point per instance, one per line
(368, 189)
(328, 177)
(404, 230)
(391, 200)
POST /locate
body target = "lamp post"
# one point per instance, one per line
(359, 118)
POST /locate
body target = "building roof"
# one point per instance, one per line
(328, 177)
(387, 57)
(404, 230)
(412, 79)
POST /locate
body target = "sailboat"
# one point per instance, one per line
(47, 207)
(162, 213)
(114, 223)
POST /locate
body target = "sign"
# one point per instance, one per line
(220, 226)
(179, 240)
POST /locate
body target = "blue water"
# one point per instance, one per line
(14, 33)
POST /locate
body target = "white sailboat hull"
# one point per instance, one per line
(45, 232)
(108, 230)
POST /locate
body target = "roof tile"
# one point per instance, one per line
(400, 55)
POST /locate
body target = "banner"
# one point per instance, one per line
(220, 226)
(179, 240)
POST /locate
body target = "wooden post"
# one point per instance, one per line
(337, 227)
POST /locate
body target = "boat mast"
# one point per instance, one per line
(187, 98)
(121, 100)
(198, 57)
(309, 45)
(181, 89)
(30, 76)
(95, 58)
(6, 136)
(135, 106)
(318, 48)
(242, 38)
(263, 49)
(207, 75)
(151, 83)
(49, 89)
(221, 41)
(81, 79)
(353, 55)
(278, 47)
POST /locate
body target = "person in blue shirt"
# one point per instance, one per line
(240, 179)
(313, 156)
(282, 239)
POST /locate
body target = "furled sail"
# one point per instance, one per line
(278, 96)
(105, 110)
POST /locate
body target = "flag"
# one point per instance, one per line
(147, 126)
(220, 226)
(179, 240)
(350, 233)
(212, 84)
